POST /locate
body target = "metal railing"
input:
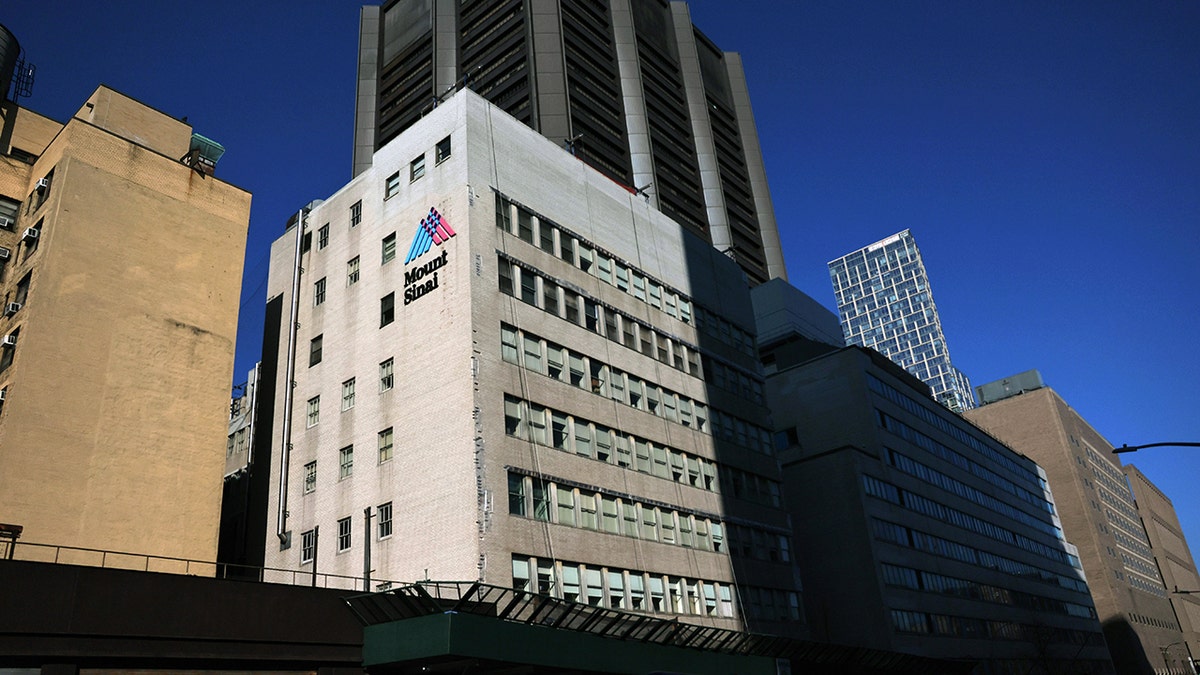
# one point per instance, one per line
(141, 562)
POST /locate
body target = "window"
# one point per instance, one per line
(516, 495)
(386, 379)
(314, 411)
(387, 309)
(310, 476)
(508, 344)
(416, 168)
(308, 546)
(566, 506)
(348, 394)
(345, 462)
(356, 213)
(442, 152)
(392, 187)
(314, 350)
(385, 445)
(352, 271)
(323, 236)
(385, 520)
(541, 500)
(319, 292)
(343, 535)
(389, 248)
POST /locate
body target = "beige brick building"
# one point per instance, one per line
(1175, 564)
(553, 387)
(1098, 515)
(120, 289)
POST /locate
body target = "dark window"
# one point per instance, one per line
(314, 351)
(356, 213)
(387, 309)
(389, 248)
(323, 236)
(443, 149)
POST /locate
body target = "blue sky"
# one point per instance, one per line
(1046, 157)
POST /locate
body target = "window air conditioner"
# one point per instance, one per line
(12, 308)
(8, 341)
(3, 392)
(31, 233)
(5, 254)
(6, 223)
(42, 184)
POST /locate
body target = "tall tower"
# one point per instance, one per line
(885, 303)
(630, 88)
(120, 266)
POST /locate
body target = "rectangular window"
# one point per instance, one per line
(442, 150)
(517, 505)
(387, 309)
(524, 225)
(310, 476)
(550, 297)
(506, 277)
(345, 462)
(571, 304)
(587, 510)
(385, 445)
(512, 416)
(352, 271)
(385, 520)
(392, 187)
(545, 236)
(558, 430)
(416, 168)
(520, 574)
(323, 236)
(629, 519)
(314, 411)
(348, 394)
(537, 424)
(529, 288)
(570, 580)
(608, 514)
(541, 500)
(389, 248)
(314, 350)
(386, 379)
(508, 344)
(566, 247)
(555, 361)
(343, 539)
(308, 546)
(649, 523)
(319, 292)
(356, 213)
(533, 354)
(566, 506)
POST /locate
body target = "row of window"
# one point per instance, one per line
(522, 282)
(910, 538)
(590, 374)
(1151, 621)
(943, 625)
(640, 591)
(960, 460)
(925, 506)
(922, 472)
(385, 441)
(583, 254)
(551, 500)
(387, 381)
(533, 422)
(345, 533)
(916, 408)
(922, 580)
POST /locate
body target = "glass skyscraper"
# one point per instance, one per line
(885, 303)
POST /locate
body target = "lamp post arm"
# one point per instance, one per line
(1135, 448)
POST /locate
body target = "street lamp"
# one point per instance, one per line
(1135, 448)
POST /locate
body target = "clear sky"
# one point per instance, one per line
(1046, 157)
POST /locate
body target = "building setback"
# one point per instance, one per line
(631, 88)
(1098, 513)
(520, 373)
(1175, 564)
(885, 303)
(919, 532)
(120, 268)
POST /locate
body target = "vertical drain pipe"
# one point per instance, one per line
(281, 530)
